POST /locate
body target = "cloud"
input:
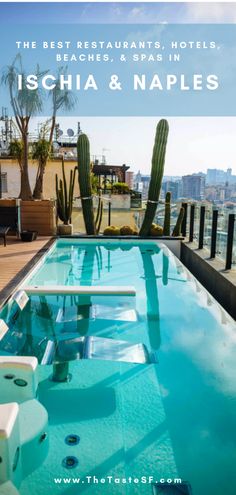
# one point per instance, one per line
(137, 12)
(210, 12)
(115, 11)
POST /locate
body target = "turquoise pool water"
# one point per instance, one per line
(173, 419)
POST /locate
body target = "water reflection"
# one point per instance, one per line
(153, 313)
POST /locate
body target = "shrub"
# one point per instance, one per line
(126, 230)
(111, 230)
(156, 230)
(120, 188)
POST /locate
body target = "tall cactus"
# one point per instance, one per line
(166, 228)
(84, 174)
(158, 162)
(99, 214)
(65, 195)
(177, 230)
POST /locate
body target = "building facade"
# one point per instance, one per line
(193, 186)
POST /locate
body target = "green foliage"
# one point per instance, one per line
(158, 162)
(94, 183)
(156, 230)
(65, 195)
(166, 228)
(126, 230)
(111, 230)
(25, 102)
(120, 188)
(177, 230)
(62, 99)
(41, 150)
(17, 149)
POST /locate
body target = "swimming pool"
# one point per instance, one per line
(174, 418)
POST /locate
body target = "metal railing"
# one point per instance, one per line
(213, 229)
(210, 227)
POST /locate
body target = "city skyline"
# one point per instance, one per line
(194, 145)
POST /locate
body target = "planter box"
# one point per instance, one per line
(63, 229)
(9, 202)
(40, 216)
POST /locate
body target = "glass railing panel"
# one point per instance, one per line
(196, 222)
(208, 227)
(234, 248)
(222, 229)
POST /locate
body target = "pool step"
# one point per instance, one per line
(100, 348)
(96, 312)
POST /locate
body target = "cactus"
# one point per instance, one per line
(111, 230)
(65, 195)
(166, 228)
(99, 215)
(177, 230)
(84, 174)
(156, 230)
(158, 162)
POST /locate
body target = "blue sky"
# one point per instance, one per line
(220, 62)
(195, 143)
(118, 12)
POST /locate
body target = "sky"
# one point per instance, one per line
(194, 144)
(54, 12)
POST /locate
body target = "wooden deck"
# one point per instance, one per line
(15, 256)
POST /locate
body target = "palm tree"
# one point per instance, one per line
(41, 151)
(61, 100)
(25, 103)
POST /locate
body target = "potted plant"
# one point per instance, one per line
(28, 235)
(65, 197)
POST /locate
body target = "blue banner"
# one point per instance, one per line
(127, 70)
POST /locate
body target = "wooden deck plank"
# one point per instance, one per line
(16, 255)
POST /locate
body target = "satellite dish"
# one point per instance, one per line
(60, 132)
(70, 132)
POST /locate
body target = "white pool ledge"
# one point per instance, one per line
(91, 290)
